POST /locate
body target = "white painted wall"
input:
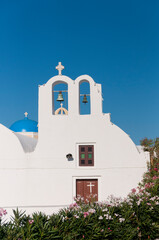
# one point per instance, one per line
(44, 179)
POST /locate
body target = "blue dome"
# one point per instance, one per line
(25, 125)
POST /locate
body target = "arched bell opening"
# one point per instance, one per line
(60, 98)
(84, 98)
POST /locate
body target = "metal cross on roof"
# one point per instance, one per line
(60, 68)
(26, 114)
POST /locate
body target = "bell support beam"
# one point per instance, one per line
(61, 91)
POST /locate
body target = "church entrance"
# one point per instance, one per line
(87, 188)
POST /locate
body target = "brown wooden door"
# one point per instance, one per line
(87, 188)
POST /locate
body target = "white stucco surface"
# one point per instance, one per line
(28, 143)
(37, 176)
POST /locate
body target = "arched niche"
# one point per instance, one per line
(84, 98)
(59, 91)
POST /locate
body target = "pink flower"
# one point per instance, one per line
(83, 236)
(148, 204)
(31, 221)
(140, 190)
(73, 205)
(147, 185)
(154, 177)
(133, 190)
(156, 169)
(109, 229)
(85, 214)
(91, 210)
(2, 212)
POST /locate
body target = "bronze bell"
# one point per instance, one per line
(85, 99)
(60, 97)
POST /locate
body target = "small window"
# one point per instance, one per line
(86, 155)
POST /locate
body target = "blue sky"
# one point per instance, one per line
(115, 42)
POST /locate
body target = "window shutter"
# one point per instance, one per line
(86, 155)
(90, 155)
(82, 155)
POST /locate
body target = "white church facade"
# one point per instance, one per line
(42, 168)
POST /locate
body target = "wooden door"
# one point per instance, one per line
(87, 188)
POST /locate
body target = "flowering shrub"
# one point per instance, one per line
(135, 217)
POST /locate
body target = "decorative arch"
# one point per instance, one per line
(60, 97)
(62, 110)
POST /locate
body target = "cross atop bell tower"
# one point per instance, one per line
(60, 68)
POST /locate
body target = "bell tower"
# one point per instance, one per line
(61, 99)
